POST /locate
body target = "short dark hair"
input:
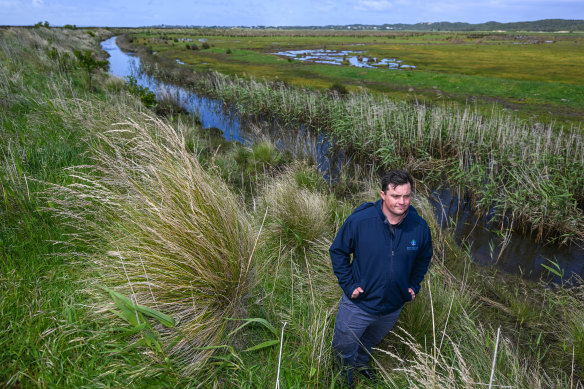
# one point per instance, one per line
(396, 178)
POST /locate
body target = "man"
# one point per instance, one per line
(391, 248)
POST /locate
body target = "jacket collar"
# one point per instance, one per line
(383, 218)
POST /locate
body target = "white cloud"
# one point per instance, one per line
(373, 5)
(38, 3)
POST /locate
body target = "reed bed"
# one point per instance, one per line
(529, 174)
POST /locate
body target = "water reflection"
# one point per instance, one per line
(509, 251)
(344, 57)
(212, 112)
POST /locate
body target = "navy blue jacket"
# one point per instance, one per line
(384, 265)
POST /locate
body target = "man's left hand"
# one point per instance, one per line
(412, 293)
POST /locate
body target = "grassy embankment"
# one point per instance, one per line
(542, 81)
(49, 337)
(148, 215)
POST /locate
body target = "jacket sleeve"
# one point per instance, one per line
(422, 261)
(340, 251)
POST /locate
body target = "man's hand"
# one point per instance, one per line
(409, 290)
(356, 292)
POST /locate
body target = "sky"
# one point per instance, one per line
(136, 13)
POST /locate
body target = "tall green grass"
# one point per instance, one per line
(48, 337)
(162, 231)
(298, 217)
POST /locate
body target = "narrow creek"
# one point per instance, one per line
(512, 253)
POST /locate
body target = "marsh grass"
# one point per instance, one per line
(540, 79)
(530, 174)
(443, 341)
(300, 289)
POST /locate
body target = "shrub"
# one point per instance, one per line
(89, 63)
(205, 45)
(228, 51)
(147, 97)
(338, 89)
(194, 46)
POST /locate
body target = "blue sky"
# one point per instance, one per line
(132, 13)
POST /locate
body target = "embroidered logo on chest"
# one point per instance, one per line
(413, 245)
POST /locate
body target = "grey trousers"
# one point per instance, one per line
(356, 333)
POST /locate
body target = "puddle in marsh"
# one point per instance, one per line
(345, 57)
(521, 254)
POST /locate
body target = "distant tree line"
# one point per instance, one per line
(545, 25)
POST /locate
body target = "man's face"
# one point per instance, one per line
(396, 200)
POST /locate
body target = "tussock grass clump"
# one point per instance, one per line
(163, 232)
(299, 217)
(258, 159)
(298, 287)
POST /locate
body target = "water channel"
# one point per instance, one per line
(512, 253)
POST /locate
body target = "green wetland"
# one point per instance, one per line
(537, 75)
(139, 249)
(512, 251)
